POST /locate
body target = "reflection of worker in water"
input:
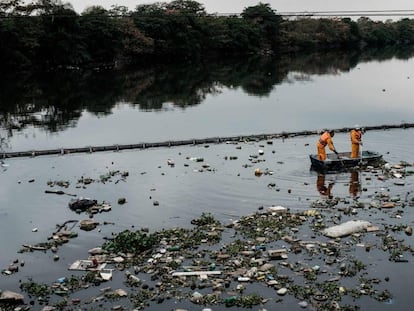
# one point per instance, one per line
(325, 140)
(323, 190)
(354, 185)
(356, 141)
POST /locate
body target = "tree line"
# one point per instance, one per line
(49, 34)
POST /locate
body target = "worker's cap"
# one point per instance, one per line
(357, 127)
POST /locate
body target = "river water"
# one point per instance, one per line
(212, 103)
(255, 97)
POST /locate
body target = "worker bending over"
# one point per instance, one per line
(325, 140)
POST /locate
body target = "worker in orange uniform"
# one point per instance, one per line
(325, 140)
(356, 141)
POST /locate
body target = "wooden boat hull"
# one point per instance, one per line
(343, 161)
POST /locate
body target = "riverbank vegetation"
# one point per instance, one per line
(47, 34)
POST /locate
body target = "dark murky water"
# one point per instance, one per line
(228, 189)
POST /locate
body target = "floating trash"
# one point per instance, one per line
(346, 228)
(106, 274)
(84, 265)
(88, 224)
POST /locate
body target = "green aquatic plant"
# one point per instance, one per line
(249, 300)
(236, 247)
(35, 289)
(385, 295)
(205, 219)
(141, 298)
(130, 242)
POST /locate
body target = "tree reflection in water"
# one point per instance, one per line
(54, 101)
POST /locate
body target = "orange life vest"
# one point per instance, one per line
(356, 136)
(324, 138)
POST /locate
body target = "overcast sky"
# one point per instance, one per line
(237, 6)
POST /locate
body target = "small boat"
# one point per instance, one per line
(343, 161)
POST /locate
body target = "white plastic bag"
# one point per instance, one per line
(346, 228)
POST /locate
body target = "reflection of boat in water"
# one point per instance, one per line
(343, 161)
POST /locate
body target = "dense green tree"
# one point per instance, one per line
(186, 7)
(18, 46)
(266, 19)
(151, 20)
(376, 32)
(134, 46)
(174, 28)
(100, 33)
(322, 33)
(232, 35)
(50, 34)
(60, 42)
(405, 29)
(354, 35)
(20, 41)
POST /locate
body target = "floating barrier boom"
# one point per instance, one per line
(211, 140)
